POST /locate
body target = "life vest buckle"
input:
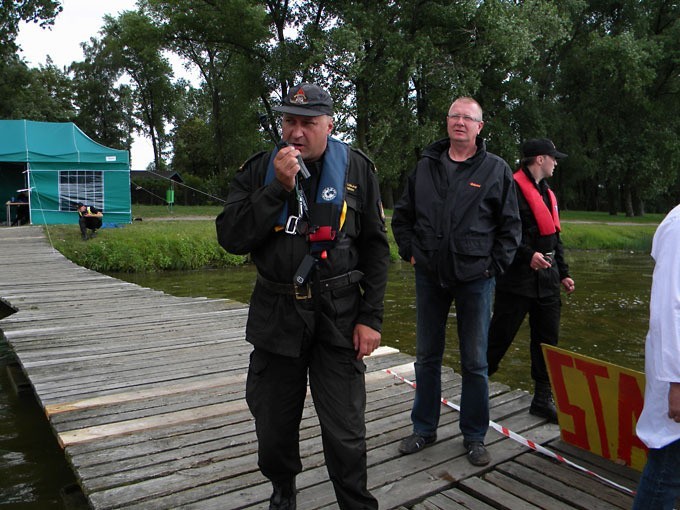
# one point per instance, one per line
(291, 224)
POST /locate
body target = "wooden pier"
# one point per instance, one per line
(145, 393)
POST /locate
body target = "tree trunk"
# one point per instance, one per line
(638, 203)
(612, 199)
(387, 195)
(627, 199)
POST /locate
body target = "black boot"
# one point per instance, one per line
(543, 404)
(283, 497)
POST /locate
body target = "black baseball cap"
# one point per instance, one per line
(306, 99)
(539, 147)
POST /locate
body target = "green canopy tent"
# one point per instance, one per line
(57, 165)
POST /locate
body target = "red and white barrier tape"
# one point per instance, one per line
(526, 442)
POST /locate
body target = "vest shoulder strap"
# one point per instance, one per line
(546, 218)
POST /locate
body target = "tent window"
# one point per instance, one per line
(81, 186)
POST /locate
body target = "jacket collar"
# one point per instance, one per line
(434, 150)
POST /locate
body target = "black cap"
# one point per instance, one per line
(540, 147)
(79, 205)
(306, 99)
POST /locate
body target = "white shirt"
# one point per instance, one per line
(662, 347)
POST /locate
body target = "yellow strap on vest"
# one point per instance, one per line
(343, 214)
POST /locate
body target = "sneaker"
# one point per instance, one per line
(414, 443)
(476, 453)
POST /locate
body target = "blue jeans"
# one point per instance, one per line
(660, 481)
(473, 312)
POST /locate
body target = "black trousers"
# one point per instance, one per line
(275, 392)
(509, 311)
(90, 222)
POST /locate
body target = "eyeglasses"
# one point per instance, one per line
(466, 118)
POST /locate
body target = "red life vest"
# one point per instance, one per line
(548, 220)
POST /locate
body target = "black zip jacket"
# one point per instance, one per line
(277, 322)
(460, 227)
(520, 278)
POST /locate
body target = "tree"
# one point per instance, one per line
(13, 13)
(16, 82)
(42, 93)
(223, 41)
(193, 141)
(105, 107)
(619, 83)
(134, 44)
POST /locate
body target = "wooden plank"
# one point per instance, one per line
(555, 487)
(596, 462)
(464, 500)
(436, 476)
(578, 480)
(520, 488)
(494, 495)
(71, 437)
(141, 409)
(146, 394)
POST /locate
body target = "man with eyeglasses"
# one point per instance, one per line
(457, 223)
(533, 281)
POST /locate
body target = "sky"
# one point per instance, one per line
(80, 20)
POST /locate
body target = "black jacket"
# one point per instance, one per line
(277, 322)
(520, 278)
(461, 227)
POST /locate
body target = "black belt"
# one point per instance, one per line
(305, 291)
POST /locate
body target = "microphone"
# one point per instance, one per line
(266, 125)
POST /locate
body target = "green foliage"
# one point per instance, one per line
(223, 41)
(611, 237)
(194, 148)
(599, 78)
(105, 106)
(606, 218)
(42, 93)
(146, 246)
(178, 211)
(12, 13)
(189, 241)
(135, 45)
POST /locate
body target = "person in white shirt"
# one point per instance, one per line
(659, 423)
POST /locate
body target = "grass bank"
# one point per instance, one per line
(184, 238)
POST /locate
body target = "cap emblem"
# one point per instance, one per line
(299, 97)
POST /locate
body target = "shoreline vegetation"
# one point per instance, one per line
(183, 238)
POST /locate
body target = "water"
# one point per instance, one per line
(33, 468)
(605, 318)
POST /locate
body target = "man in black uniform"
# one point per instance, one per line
(327, 234)
(532, 282)
(89, 218)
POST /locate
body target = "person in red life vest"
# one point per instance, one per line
(532, 282)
